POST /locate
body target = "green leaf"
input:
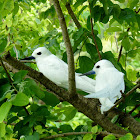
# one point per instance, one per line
(18, 77)
(138, 137)
(78, 34)
(96, 13)
(85, 61)
(6, 7)
(79, 2)
(50, 99)
(121, 1)
(116, 10)
(35, 136)
(133, 53)
(87, 137)
(91, 49)
(132, 3)
(66, 128)
(113, 29)
(94, 129)
(128, 136)
(131, 73)
(16, 8)
(31, 88)
(4, 109)
(3, 44)
(2, 129)
(4, 89)
(115, 118)
(126, 44)
(109, 137)
(70, 113)
(20, 100)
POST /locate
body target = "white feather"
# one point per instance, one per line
(109, 83)
(57, 71)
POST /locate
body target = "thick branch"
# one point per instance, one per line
(71, 13)
(86, 106)
(71, 68)
(104, 133)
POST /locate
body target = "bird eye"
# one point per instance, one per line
(39, 53)
(98, 66)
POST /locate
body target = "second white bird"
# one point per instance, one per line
(109, 84)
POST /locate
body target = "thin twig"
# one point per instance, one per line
(11, 81)
(71, 68)
(93, 35)
(103, 133)
(120, 53)
(123, 97)
(134, 109)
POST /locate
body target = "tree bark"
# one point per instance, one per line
(71, 68)
(86, 106)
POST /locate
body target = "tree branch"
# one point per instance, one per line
(71, 68)
(78, 26)
(86, 106)
(120, 53)
(127, 94)
(104, 133)
(71, 13)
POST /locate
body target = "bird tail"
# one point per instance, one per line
(85, 83)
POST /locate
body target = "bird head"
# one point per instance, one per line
(100, 66)
(38, 53)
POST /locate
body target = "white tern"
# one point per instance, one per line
(56, 70)
(109, 84)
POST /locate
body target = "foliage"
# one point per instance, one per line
(26, 25)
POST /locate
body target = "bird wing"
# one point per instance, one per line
(54, 69)
(90, 80)
(85, 83)
(114, 83)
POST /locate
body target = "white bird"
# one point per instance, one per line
(109, 84)
(56, 70)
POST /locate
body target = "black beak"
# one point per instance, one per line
(28, 58)
(88, 73)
